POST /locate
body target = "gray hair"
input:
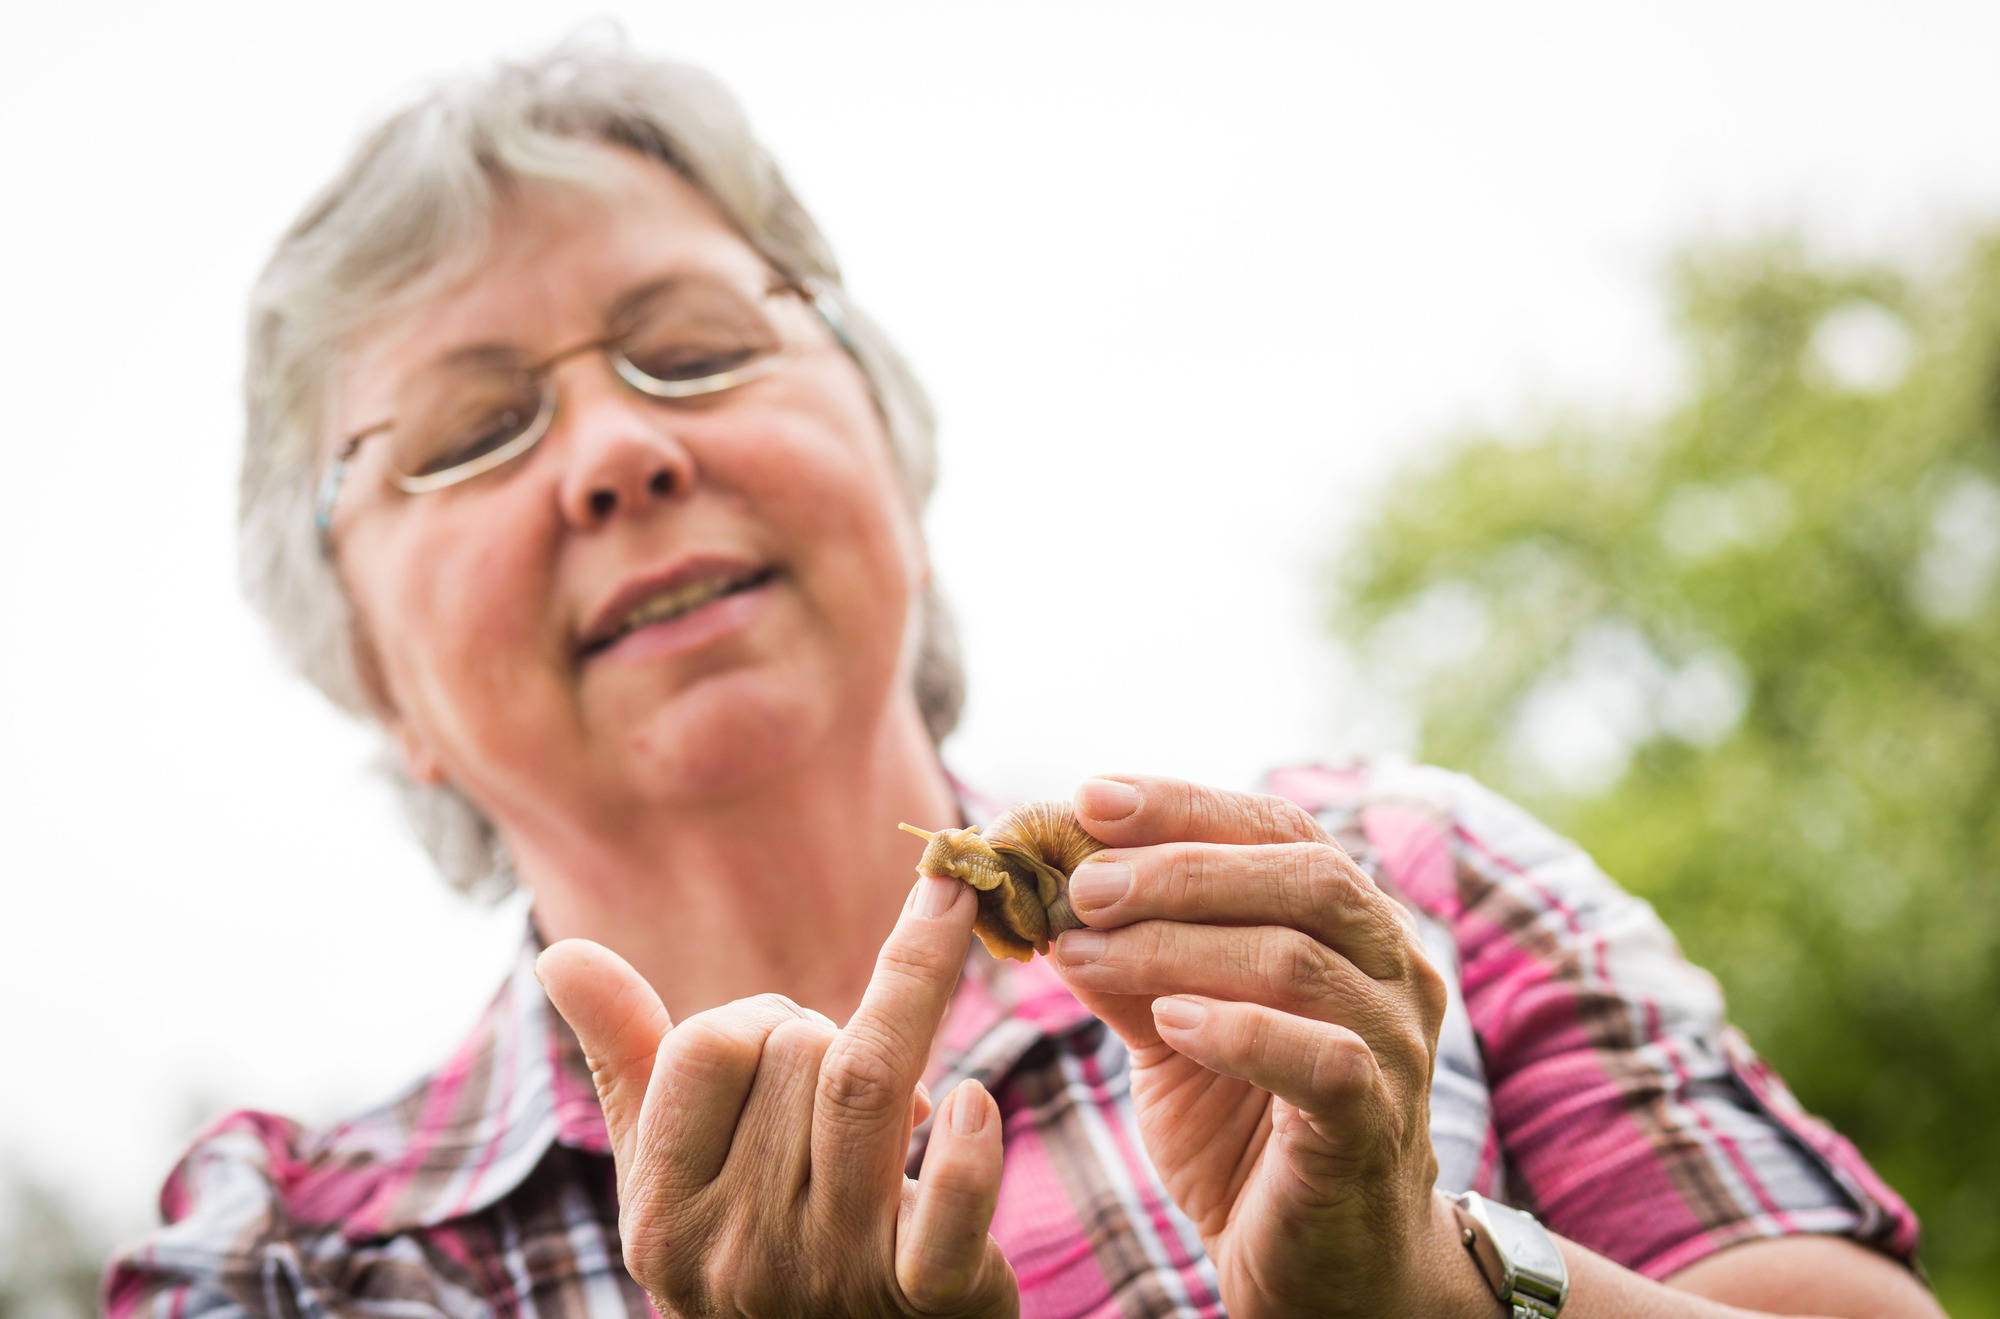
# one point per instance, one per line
(409, 215)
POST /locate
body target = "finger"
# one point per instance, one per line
(1310, 886)
(860, 1134)
(1324, 1070)
(920, 1106)
(1270, 964)
(702, 1082)
(618, 1020)
(941, 1244)
(772, 1145)
(1136, 810)
(1130, 1017)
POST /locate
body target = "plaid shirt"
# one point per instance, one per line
(1584, 1072)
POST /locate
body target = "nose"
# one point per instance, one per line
(624, 452)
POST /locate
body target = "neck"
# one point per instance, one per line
(787, 889)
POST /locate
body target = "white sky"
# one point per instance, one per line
(1184, 279)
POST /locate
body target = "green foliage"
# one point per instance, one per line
(1747, 651)
(51, 1251)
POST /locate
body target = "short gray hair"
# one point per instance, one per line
(409, 214)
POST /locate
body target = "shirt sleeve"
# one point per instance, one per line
(1633, 1118)
(228, 1245)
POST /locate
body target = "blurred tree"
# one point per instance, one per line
(51, 1253)
(1747, 652)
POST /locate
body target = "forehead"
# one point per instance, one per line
(560, 257)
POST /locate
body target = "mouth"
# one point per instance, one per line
(673, 603)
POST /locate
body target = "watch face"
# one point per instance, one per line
(1525, 1247)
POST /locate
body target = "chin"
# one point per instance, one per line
(726, 736)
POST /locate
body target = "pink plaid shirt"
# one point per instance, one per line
(1584, 1072)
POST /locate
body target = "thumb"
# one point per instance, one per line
(618, 1020)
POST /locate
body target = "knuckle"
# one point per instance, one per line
(1199, 811)
(1307, 968)
(1316, 883)
(1342, 1067)
(1390, 950)
(859, 1081)
(744, 1019)
(1140, 944)
(761, 1290)
(799, 1040)
(703, 1045)
(766, 1010)
(721, 1273)
(1433, 992)
(936, 1286)
(907, 964)
(742, 1274)
(955, 1178)
(1284, 818)
(1187, 876)
(1417, 1045)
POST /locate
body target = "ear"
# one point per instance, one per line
(419, 762)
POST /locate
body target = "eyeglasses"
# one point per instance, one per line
(681, 339)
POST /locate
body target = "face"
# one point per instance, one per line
(486, 606)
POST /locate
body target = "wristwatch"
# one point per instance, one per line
(1516, 1254)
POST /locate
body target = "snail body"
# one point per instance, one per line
(1019, 866)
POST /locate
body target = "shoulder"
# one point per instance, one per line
(1440, 838)
(423, 1204)
(1540, 940)
(1582, 1002)
(257, 1192)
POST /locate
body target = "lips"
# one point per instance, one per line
(685, 586)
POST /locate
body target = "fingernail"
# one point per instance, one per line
(1098, 884)
(967, 1113)
(1107, 799)
(1080, 946)
(935, 895)
(1179, 1013)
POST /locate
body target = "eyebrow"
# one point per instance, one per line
(493, 352)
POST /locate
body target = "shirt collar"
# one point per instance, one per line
(518, 1083)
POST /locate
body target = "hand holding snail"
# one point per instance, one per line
(1282, 1019)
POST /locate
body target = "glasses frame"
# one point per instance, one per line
(816, 295)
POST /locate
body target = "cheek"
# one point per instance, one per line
(460, 624)
(841, 496)
(858, 554)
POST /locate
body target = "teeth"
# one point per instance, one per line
(669, 604)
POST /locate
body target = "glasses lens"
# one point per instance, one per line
(696, 339)
(463, 418)
(694, 336)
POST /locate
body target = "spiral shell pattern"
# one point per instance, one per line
(1019, 865)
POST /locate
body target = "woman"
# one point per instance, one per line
(570, 464)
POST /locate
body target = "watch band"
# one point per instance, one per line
(1516, 1255)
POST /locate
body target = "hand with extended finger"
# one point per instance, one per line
(760, 1150)
(1282, 1019)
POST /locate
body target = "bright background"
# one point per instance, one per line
(1186, 282)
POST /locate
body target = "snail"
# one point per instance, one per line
(1020, 868)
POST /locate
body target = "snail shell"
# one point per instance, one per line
(1019, 866)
